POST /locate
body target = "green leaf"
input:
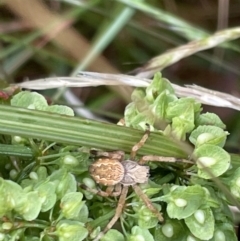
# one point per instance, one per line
(42, 173)
(223, 214)
(150, 191)
(13, 193)
(60, 109)
(64, 181)
(182, 112)
(157, 86)
(76, 164)
(184, 201)
(30, 100)
(33, 100)
(113, 234)
(139, 121)
(3, 208)
(40, 177)
(71, 204)
(210, 119)
(31, 238)
(208, 135)
(129, 113)
(160, 105)
(83, 214)
(140, 234)
(224, 232)
(71, 230)
(46, 192)
(138, 105)
(212, 161)
(190, 237)
(137, 96)
(170, 230)
(183, 107)
(146, 218)
(212, 200)
(201, 223)
(180, 127)
(28, 184)
(152, 107)
(235, 183)
(10, 194)
(29, 206)
(69, 160)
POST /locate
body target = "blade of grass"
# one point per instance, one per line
(174, 55)
(82, 132)
(15, 150)
(177, 25)
(169, 38)
(23, 50)
(182, 27)
(107, 33)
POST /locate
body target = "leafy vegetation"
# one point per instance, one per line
(44, 148)
(41, 198)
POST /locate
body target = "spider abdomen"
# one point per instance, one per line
(108, 172)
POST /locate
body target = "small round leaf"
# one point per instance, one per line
(212, 161)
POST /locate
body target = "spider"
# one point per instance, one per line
(111, 170)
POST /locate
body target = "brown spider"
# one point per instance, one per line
(113, 171)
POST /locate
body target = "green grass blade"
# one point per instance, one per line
(82, 132)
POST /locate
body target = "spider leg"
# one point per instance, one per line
(109, 191)
(138, 145)
(114, 191)
(116, 155)
(147, 202)
(145, 159)
(118, 190)
(118, 213)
